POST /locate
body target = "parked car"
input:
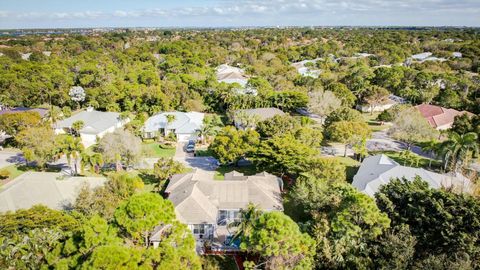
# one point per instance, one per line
(190, 146)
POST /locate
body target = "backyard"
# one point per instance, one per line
(222, 170)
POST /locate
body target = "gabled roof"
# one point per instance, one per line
(229, 74)
(94, 121)
(438, 116)
(197, 197)
(184, 123)
(378, 170)
(34, 188)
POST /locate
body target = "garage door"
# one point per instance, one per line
(186, 137)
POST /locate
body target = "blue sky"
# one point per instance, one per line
(217, 13)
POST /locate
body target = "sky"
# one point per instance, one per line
(16, 14)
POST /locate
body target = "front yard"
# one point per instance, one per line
(155, 150)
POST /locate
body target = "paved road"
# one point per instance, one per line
(381, 141)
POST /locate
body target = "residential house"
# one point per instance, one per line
(253, 116)
(438, 117)
(304, 69)
(210, 207)
(44, 188)
(390, 102)
(229, 74)
(184, 124)
(95, 125)
(379, 170)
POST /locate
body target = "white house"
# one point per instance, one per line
(209, 207)
(306, 71)
(229, 74)
(95, 124)
(390, 102)
(183, 124)
(379, 170)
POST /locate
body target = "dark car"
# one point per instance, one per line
(190, 146)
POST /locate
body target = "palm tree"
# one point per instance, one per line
(77, 126)
(247, 218)
(458, 148)
(73, 150)
(431, 148)
(94, 161)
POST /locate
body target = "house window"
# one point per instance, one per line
(199, 229)
(227, 216)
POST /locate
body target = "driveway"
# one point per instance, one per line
(8, 158)
(207, 164)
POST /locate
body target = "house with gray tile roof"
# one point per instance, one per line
(379, 170)
(49, 189)
(183, 124)
(96, 124)
(209, 206)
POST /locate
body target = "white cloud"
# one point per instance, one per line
(249, 11)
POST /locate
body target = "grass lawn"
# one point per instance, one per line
(222, 170)
(423, 162)
(15, 171)
(351, 164)
(372, 122)
(153, 149)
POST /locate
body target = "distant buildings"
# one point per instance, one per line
(438, 117)
(209, 207)
(44, 188)
(184, 124)
(423, 57)
(95, 124)
(379, 170)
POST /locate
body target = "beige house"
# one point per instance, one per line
(210, 206)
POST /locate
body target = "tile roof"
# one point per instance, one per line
(378, 170)
(438, 116)
(184, 123)
(197, 197)
(94, 121)
(262, 113)
(34, 188)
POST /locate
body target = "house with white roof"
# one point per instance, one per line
(303, 68)
(95, 124)
(44, 188)
(210, 207)
(184, 124)
(379, 170)
(229, 74)
(390, 102)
